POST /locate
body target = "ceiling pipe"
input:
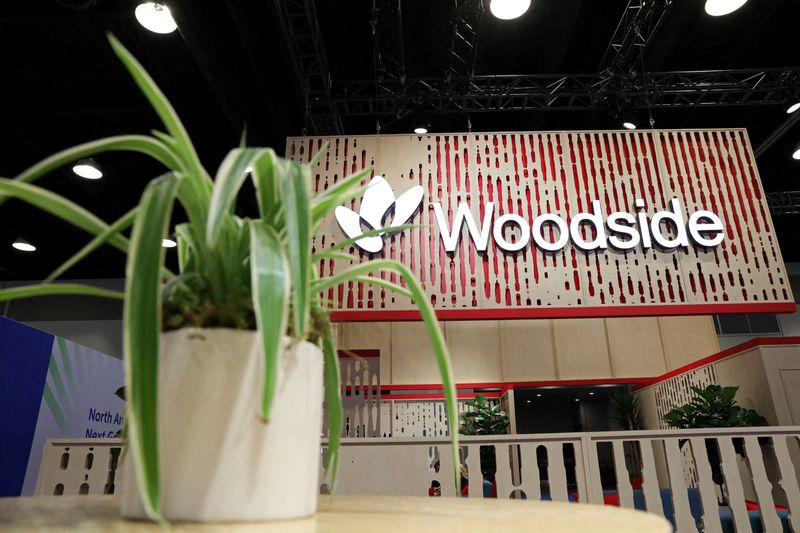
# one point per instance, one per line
(777, 134)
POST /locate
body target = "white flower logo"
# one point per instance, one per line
(376, 204)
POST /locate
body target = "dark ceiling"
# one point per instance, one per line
(227, 66)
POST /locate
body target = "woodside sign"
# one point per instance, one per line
(557, 224)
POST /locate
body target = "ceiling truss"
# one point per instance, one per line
(391, 94)
(784, 202)
(303, 39)
(481, 94)
(624, 56)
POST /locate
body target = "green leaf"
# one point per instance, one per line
(200, 178)
(297, 215)
(243, 137)
(132, 143)
(318, 156)
(185, 245)
(434, 333)
(121, 224)
(379, 282)
(371, 233)
(339, 194)
(325, 254)
(142, 326)
(62, 208)
(270, 285)
(333, 404)
(266, 174)
(74, 289)
(231, 175)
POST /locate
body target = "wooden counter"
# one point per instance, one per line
(349, 514)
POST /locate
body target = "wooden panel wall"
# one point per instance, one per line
(536, 350)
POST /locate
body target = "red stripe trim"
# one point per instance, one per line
(724, 354)
(516, 384)
(566, 312)
(359, 353)
(460, 396)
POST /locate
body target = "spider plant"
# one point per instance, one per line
(233, 272)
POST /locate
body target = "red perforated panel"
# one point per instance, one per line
(562, 173)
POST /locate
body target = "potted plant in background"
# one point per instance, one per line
(484, 418)
(714, 407)
(627, 413)
(224, 358)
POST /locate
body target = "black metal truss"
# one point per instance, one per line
(465, 32)
(640, 22)
(567, 92)
(301, 32)
(387, 39)
(784, 202)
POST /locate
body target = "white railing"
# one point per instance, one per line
(701, 480)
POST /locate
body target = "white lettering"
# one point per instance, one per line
(697, 228)
(463, 214)
(676, 218)
(544, 243)
(644, 227)
(621, 230)
(596, 220)
(521, 242)
(621, 223)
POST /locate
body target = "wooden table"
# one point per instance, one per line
(350, 514)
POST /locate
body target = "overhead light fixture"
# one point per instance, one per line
(539, 395)
(168, 243)
(23, 246)
(796, 154)
(591, 394)
(421, 130)
(509, 9)
(88, 169)
(156, 17)
(577, 399)
(718, 8)
(529, 401)
(629, 120)
(792, 108)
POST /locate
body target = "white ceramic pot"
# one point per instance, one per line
(219, 462)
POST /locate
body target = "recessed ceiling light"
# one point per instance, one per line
(591, 394)
(628, 125)
(529, 401)
(168, 243)
(717, 8)
(539, 395)
(87, 168)
(509, 9)
(796, 154)
(577, 399)
(156, 17)
(421, 130)
(792, 108)
(23, 246)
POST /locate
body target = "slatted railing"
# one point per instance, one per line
(701, 480)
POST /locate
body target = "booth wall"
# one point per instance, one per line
(768, 377)
(536, 350)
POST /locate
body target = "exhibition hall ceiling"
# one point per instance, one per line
(228, 65)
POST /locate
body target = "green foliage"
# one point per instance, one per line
(484, 418)
(626, 411)
(713, 407)
(255, 274)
